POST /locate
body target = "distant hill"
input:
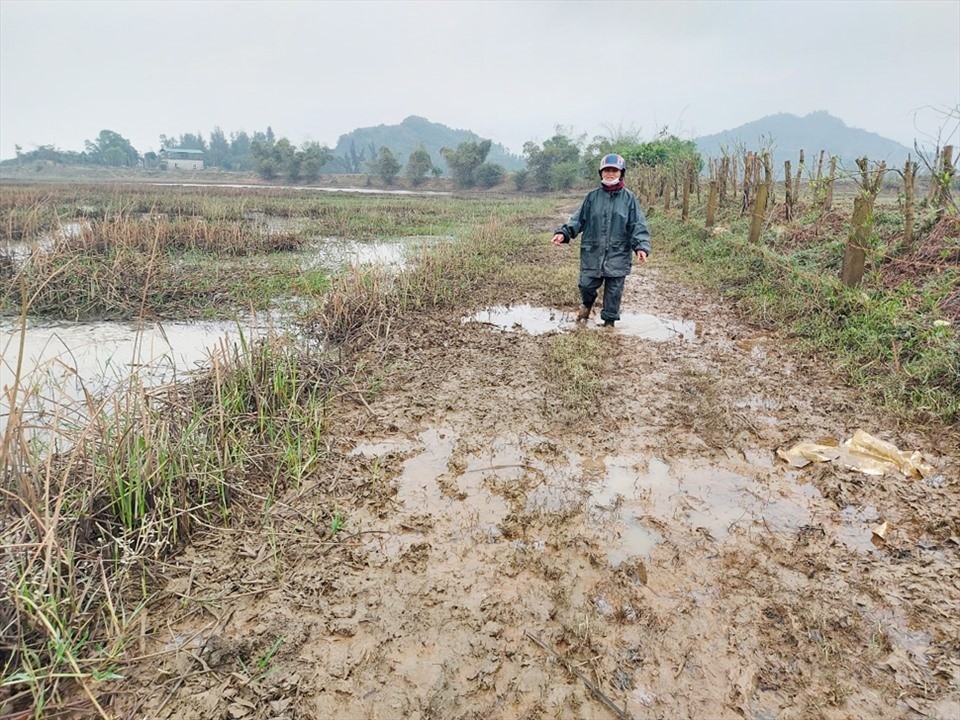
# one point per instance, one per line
(820, 130)
(404, 138)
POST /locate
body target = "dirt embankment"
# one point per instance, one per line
(504, 559)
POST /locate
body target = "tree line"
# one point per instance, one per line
(559, 163)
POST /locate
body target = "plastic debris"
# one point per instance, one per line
(864, 453)
(880, 530)
(803, 454)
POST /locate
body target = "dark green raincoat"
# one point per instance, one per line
(614, 229)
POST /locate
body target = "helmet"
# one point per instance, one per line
(613, 161)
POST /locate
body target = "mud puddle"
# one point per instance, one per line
(463, 496)
(542, 320)
(716, 503)
(633, 503)
(650, 327)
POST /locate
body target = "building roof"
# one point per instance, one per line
(183, 150)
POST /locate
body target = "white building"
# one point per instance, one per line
(181, 159)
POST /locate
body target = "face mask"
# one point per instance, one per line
(608, 183)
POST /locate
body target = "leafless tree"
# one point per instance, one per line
(939, 161)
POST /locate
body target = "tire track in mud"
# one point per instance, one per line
(658, 546)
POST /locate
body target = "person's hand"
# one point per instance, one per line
(641, 256)
(558, 239)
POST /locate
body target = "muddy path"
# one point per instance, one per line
(659, 546)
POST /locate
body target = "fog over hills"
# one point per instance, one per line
(785, 134)
(402, 139)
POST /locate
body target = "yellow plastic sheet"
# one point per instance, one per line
(863, 452)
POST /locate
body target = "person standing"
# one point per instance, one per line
(614, 230)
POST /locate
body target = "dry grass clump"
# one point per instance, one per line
(494, 261)
(123, 267)
(575, 363)
(106, 238)
(363, 303)
(18, 225)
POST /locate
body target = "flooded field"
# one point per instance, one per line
(64, 361)
(397, 509)
(301, 189)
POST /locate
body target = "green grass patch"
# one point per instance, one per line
(893, 343)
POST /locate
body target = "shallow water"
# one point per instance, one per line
(650, 327)
(634, 503)
(525, 318)
(63, 361)
(541, 320)
(354, 190)
(20, 250)
(335, 253)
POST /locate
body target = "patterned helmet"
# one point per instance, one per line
(615, 161)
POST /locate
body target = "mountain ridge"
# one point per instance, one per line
(786, 134)
(404, 137)
(783, 134)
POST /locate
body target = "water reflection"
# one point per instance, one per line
(335, 253)
(19, 251)
(349, 190)
(705, 498)
(542, 320)
(650, 327)
(529, 319)
(61, 362)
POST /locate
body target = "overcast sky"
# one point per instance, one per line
(509, 71)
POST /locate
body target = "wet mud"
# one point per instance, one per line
(500, 558)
